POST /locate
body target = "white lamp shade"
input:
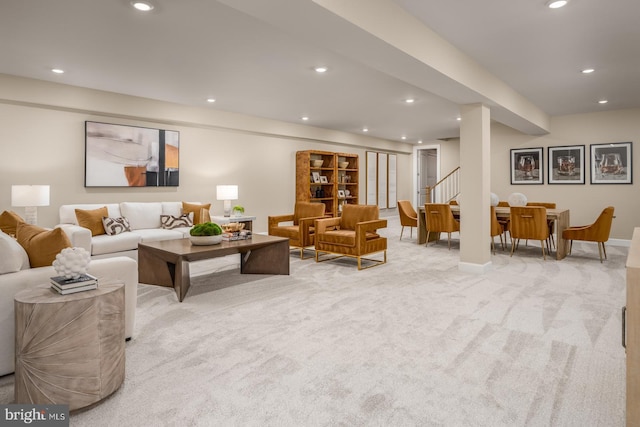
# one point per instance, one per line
(29, 195)
(227, 192)
(517, 199)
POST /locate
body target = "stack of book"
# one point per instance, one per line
(65, 286)
(228, 236)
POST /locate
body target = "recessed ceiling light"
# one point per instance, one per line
(305, 118)
(409, 100)
(420, 142)
(57, 71)
(211, 100)
(555, 4)
(142, 6)
(458, 118)
(588, 71)
(404, 137)
(603, 101)
(320, 69)
(365, 129)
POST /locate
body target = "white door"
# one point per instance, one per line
(427, 171)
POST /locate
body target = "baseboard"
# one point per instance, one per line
(469, 267)
(611, 242)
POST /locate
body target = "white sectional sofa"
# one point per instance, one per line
(122, 269)
(143, 217)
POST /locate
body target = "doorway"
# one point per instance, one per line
(427, 171)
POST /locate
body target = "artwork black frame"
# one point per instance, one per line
(527, 166)
(566, 164)
(611, 163)
(130, 156)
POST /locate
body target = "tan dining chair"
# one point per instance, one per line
(529, 223)
(496, 230)
(408, 216)
(596, 232)
(440, 219)
(550, 222)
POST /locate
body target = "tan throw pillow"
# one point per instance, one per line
(200, 212)
(42, 245)
(8, 222)
(92, 219)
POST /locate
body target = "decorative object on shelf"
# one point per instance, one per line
(72, 263)
(238, 210)
(517, 199)
(611, 163)
(227, 193)
(317, 163)
(207, 233)
(566, 164)
(347, 193)
(323, 179)
(341, 194)
(494, 199)
(29, 197)
(315, 177)
(343, 165)
(526, 166)
(232, 226)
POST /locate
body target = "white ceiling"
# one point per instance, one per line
(257, 57)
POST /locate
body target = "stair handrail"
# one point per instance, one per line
(452, 183)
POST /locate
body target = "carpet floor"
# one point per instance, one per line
(414, 342)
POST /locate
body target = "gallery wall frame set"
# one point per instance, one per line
(611, 163)
(130, 156)
(527, 166)
(566, 164)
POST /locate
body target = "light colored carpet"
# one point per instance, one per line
(412, 343)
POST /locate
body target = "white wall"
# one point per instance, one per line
(42, 142)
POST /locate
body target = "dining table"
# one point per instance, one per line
(560, 217)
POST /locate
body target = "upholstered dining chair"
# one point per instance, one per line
(529, 223)
(440, 219)
(408, 216)
(596, 232)
(352, 234)
(550, 222)
(496, 230)
(298, 226)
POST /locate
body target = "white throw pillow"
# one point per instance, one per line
(142, 215)
(13, 257)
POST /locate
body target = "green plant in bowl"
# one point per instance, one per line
(238, 210)
(206, 229)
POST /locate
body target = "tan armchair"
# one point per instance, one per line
(300, 230)
(353, 234)
(440, 219)
(408, 216)
(596, 232)
(529, 223)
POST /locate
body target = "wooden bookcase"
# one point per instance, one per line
(341, 184)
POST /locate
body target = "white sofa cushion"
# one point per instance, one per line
(158, 234)
(105, 244)
(172, 208)
(13, 257)
(142, 215)
(68, 212)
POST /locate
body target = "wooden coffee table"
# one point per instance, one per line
(166, 263)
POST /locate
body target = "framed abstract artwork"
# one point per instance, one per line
(566, 164)
(130, 156)
(527, 166)
(611, 163)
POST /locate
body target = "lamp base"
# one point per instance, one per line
(227, 208)
(31, 215)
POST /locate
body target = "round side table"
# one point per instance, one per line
(69, 348)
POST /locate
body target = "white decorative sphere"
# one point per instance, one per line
(517, 199)
(72, 262)
(494, 199)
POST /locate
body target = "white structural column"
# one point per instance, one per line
(475, 188)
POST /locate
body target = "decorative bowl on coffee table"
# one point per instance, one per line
(205, 240)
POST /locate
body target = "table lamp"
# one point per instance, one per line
(227, 193)
(29, 197)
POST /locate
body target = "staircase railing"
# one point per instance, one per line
(446, 189)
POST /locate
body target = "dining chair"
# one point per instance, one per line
(596, 232)
(408, 216)
(550, 222)
(496, 230)
(529, 223)
(440, 219)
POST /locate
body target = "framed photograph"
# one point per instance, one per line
(341, 194)
(527, 166)
(130, 156)
(566, 164)
(324, 180)
(611, 163)
(315, 176)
